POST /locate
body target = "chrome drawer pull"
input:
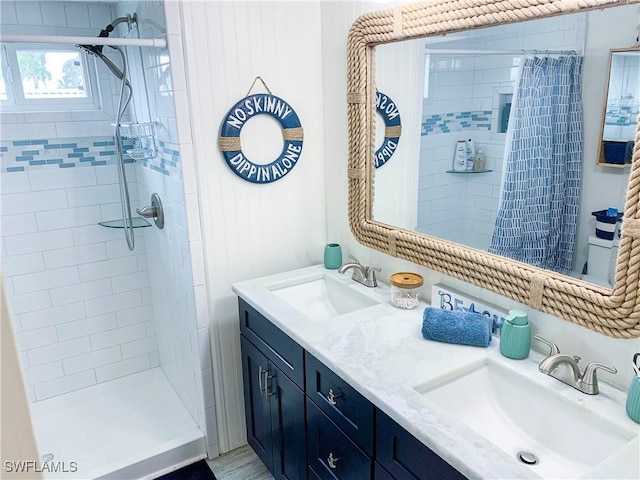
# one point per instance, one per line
(264, 384)
(260, 381)
(331, 461)
(332, 397)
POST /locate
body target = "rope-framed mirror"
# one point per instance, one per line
(613, 312)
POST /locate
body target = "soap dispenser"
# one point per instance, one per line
(515, 337)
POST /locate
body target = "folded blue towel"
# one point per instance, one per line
(456, 326)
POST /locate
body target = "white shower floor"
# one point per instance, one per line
(130, 428)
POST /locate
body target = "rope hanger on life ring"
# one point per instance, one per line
(239, 114)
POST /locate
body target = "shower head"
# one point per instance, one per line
(109, 64)
(97, 49)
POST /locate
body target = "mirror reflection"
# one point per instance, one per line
(500, 139)
(621, 107)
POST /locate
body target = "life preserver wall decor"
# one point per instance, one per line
(292, 132)
(393, 129)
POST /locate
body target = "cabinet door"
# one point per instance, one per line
(331, 455)
(405, 457)
(256, 402)
(287, 426)
(280, 349)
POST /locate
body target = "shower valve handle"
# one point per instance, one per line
(150, 211)
(154, 211)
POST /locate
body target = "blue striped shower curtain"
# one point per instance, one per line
(538, 213)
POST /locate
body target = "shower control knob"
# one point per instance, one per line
(154, 211)
(147, 212)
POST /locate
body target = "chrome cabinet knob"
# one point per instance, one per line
(332, 397)
(331, 461)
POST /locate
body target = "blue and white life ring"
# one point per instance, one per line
(292, 132)
(392, 131)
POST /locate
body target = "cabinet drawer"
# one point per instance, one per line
(284, 352)
(330, 454)
(349, 410)
(405, 457)
(380, 473)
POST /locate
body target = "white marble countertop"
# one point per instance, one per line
(381, 353)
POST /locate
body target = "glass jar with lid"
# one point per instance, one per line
(405, 290)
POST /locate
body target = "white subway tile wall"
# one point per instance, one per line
(171, 252)
(70, 280)
(463, 103)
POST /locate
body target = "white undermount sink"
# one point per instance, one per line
(321, 297)
(518, 415)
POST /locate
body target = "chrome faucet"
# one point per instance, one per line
(361, 274)
(555, 366)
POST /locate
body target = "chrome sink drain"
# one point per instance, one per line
(527, 458)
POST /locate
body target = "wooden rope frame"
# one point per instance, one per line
(615, 313)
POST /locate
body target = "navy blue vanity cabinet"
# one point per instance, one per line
(330, 453)
(274, 403)
(405, 457)
(304, 421)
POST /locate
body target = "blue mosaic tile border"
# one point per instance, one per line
(624, 118)
(456, 122)
(21, 155)
(167, 160)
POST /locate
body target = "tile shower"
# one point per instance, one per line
(87, 311)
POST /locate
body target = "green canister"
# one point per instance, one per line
(515, 337)
(633, 400)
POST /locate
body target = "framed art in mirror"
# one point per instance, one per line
(614, 312)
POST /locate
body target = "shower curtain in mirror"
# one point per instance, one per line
(538, 213)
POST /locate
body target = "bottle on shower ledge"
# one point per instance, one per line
(479, 161)
(471, 153)
(460, 156)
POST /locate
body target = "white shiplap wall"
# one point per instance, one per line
(393, 205)
(253, 230)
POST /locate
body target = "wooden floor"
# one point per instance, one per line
(240, 464)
